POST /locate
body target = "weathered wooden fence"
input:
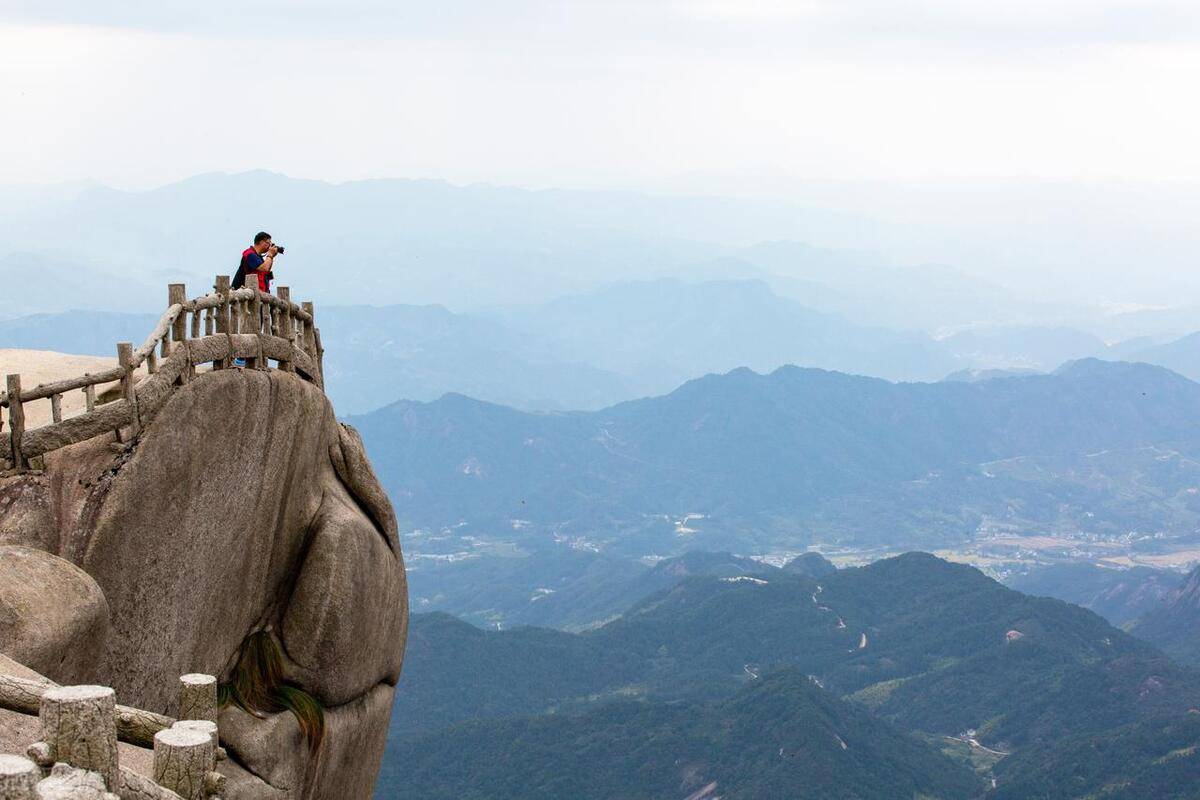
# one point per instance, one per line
(215, 329)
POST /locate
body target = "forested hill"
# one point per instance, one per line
(1174, 625)
(934, 648)
(840, 455)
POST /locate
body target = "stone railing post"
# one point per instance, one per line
(16, 421)
(79, 724)
(182, 760)
(125, 360)
(198, 697)
(18, 776)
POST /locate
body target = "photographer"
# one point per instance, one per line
(258, 260)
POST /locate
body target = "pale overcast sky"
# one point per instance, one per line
(599, 93)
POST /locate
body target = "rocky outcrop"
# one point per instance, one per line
(242, 506)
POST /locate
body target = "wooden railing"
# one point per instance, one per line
(217, 329)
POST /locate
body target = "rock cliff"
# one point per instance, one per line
(242, 507)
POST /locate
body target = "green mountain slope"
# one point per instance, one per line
(930, 646)
(1175, 624)
(780, 737)
(1158, 758)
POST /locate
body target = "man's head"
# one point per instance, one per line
(262, 242)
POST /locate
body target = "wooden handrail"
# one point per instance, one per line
(242, 323)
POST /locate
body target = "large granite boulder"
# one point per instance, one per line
(243, 506)
(53, 616)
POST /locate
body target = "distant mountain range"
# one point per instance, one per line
(753, 682)
(802, 457)
(592, 350)
(665, 332)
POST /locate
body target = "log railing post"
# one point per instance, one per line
(256, 310)
(198, 697)
(287, 325)
(125, 359)
(18, 776)
(253, 321)
(320, 354)
(16, 421)
(223, 316)
(56, 407)
(182, 760)
(221, 286)
(89, 396)
(310, 342)
(79, 723)
(177, 293)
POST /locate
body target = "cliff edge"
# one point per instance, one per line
(241, 509)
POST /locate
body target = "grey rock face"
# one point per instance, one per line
(243, 505)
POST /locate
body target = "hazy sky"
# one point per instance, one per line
(599, 93)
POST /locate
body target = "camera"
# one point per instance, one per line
(279, 249)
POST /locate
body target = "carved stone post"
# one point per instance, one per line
(79, 724)
(125, 359)
(16, 421)
(198, 697)
(18, 776)
(182, 760)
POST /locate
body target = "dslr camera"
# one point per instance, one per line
(279, 249)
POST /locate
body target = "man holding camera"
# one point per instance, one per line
(258, 261)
